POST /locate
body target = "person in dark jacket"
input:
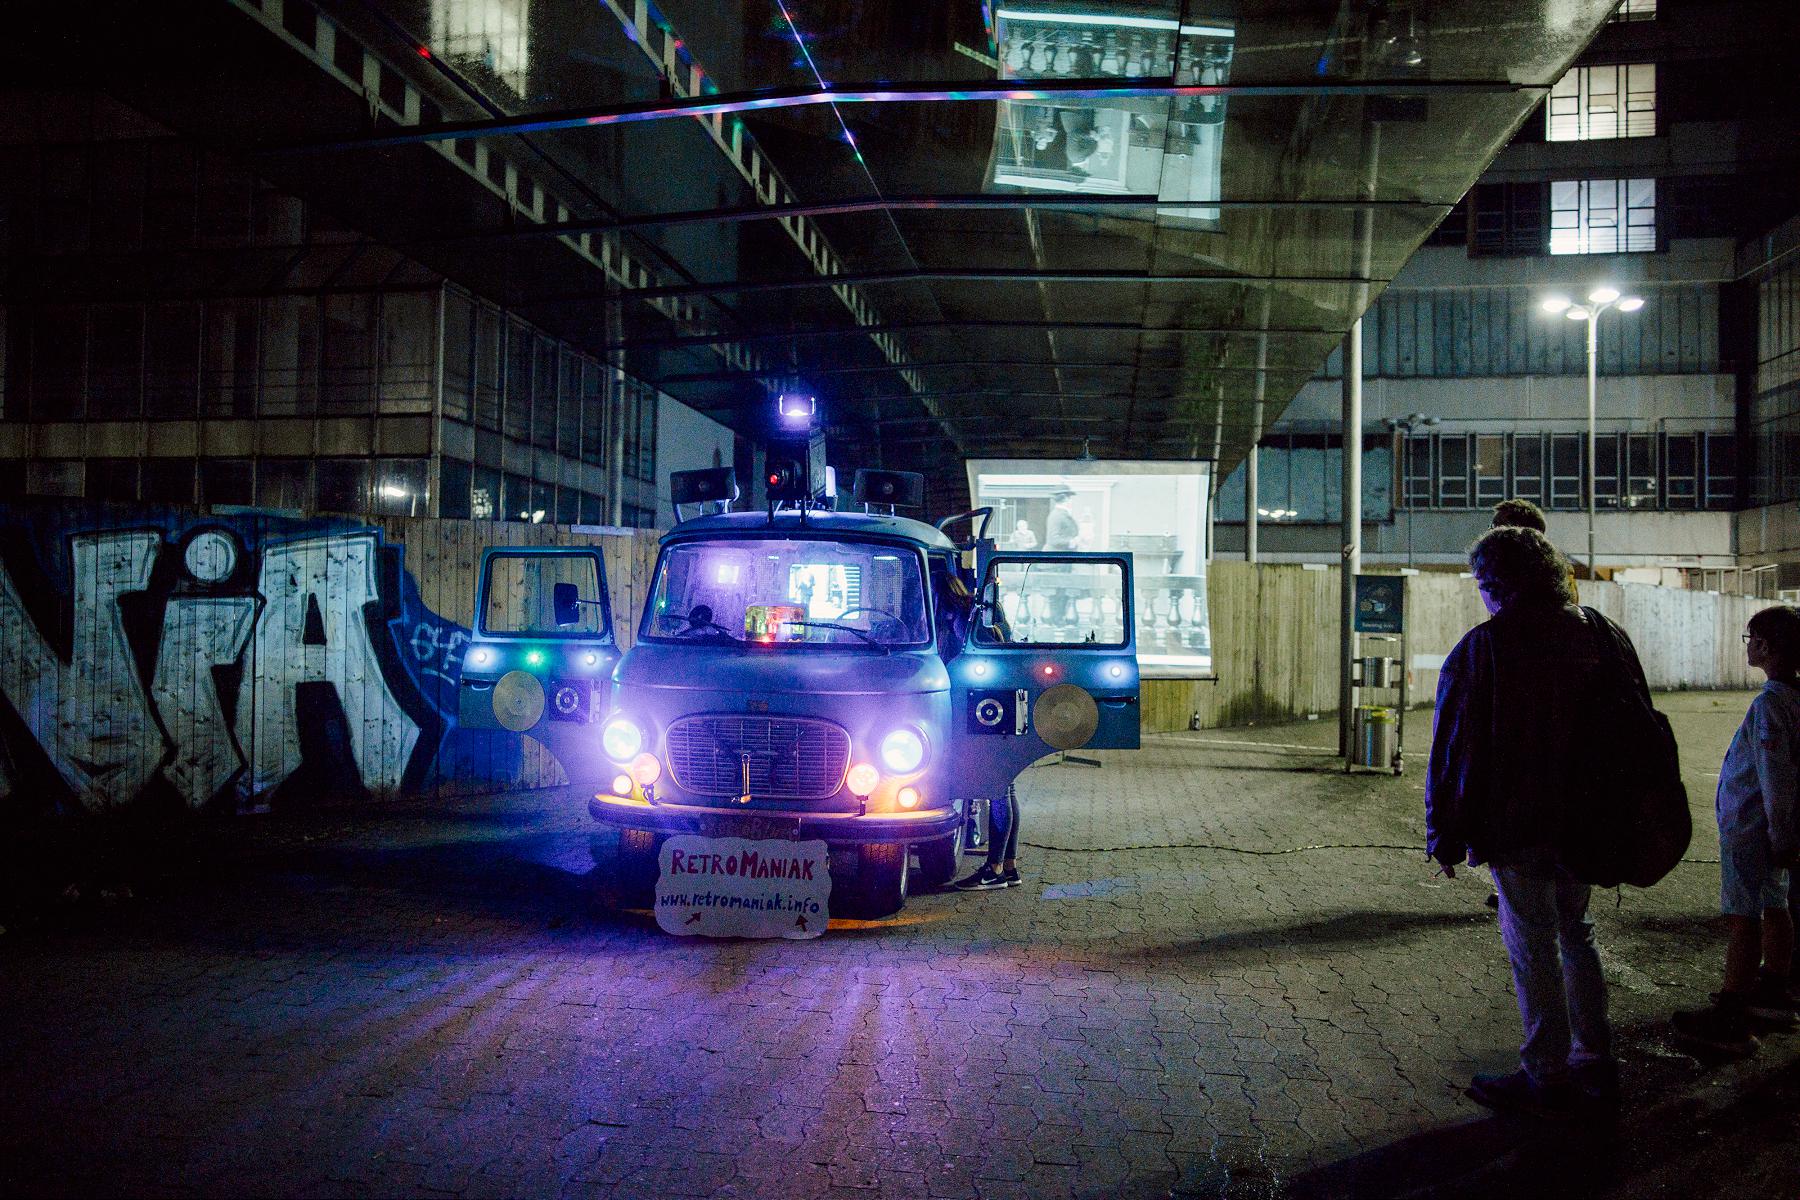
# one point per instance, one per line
(1505, 748)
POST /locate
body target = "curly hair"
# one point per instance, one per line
(1522, 513)
(1514, 564)
(1779, 628)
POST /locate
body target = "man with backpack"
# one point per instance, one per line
(1512, 784)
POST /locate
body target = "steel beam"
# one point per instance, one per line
(718, 104)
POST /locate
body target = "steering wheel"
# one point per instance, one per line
(700, 620)
(886, 622)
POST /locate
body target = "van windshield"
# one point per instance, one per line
(789, 592)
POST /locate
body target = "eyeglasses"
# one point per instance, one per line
(1748, 638)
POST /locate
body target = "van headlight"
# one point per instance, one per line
(903, 751)
(621, 739)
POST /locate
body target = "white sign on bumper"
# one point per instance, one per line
(735, 887)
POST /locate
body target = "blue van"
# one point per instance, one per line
(844, 676)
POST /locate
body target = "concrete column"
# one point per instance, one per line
(1250, 504)
(1351, 553)
(615, 412)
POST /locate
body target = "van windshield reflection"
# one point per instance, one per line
(786, 592)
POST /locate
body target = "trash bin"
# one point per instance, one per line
(1374, 735)
(1380, 672)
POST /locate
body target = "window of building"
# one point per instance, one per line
(594, 413)
(1490, 469)
(349, 352)
(454, 481)
(168, 481)
(490, 351)
(1602, 216)
(516, 423)
(54, 477)
(1721, 470)
(228, 385)
(112, 479)
(1640, 471)
(1508, 218)
(408, 330)
(568, 403)
(1606, 471)
(115, 361)
(543, 392)
(290, 355)
(1615, 100)
(399, 488)
(1634, 10)
(284, 483)
(227, 481)
(484, 495)
(1453, 471)
(1681, 478)
(1567, 453)
(1528, 467)
(1415, 487)
(459, 354)
(172, 359)
(342, 485)
(515, 498)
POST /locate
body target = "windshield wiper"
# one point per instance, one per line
(867, 637)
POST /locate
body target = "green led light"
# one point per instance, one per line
(535, 658)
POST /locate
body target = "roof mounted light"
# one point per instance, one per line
(796, 409)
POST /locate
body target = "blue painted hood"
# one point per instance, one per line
(810, 672)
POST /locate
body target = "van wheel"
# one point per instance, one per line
(639, 863)
(938, 861)
(879, 887)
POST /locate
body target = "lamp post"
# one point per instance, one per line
(1600, 300)
(1406, 425)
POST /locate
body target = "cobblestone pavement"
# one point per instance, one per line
(1230, 973)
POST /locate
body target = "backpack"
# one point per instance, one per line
(1628, 821)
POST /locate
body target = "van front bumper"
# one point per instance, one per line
(634, 812)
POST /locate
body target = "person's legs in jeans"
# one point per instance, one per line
(1540, 908)
(1583, 982)
(1003, 843)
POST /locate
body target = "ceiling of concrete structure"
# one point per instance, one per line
(972, 228)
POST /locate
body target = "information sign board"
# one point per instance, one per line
(739, 887)
(1380, 603)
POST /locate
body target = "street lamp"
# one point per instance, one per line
(1602, 298)
(1407, 424)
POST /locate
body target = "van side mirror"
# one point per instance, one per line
(987, 604)
(565, 604)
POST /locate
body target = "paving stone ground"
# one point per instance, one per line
(1230, 973)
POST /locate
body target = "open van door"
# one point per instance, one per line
(1050, 664)
(541, 654)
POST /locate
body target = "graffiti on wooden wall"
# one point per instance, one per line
(245, 659)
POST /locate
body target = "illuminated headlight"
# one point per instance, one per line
(902, 751)
(622, 785)
(908, 797)
(621, 739)
(645, 769)
(863, 779)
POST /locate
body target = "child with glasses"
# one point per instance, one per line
(1759, 785)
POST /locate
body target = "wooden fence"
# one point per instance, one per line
(259, 658)
(1275, 641)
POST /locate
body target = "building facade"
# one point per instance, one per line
(178, 331)
(1664, 148)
